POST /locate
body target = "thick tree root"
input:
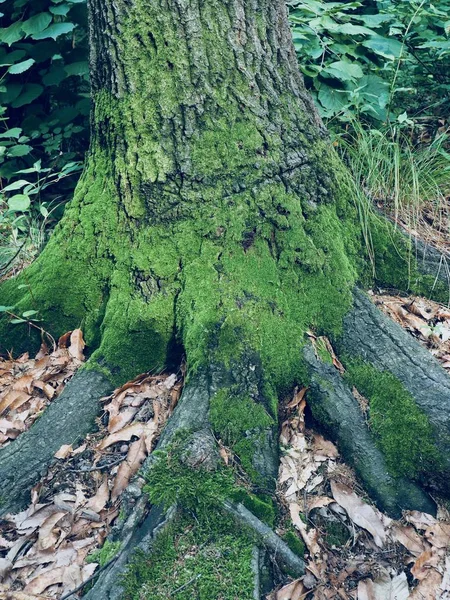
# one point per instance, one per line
(374, 338)
(335, 408)
(286, 559)
(67, 420)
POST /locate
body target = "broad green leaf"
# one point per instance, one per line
(11, 133)
(390, 48)
(332, 100)
(16, 185)
(19, 202)
(12, 34)
(344, 71)
(54, 31)
(30, 92)
(37, 23)
(60, 9)
(12, 57)
(21, 67)
(29, 313)
(19, 150)
(77, 68)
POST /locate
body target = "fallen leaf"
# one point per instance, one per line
(359, 512)
(292, 591)
(309, 537)
(64, 451)
(124, 435)
(77, 345)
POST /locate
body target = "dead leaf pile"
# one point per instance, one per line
(43, 549)
(381, 559)
(27, 384)
(425, 319)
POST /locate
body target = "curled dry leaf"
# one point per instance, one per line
(309, 537)
(129, 467)
(64, 451)
(292, 591)
(359, 512)
(408, 537)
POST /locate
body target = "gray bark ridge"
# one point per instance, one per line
(67, 420)
(335, 408)
(373, 337)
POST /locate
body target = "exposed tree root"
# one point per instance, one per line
(67, 420)
(372, 337)
(336, 409)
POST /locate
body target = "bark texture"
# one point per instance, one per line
(67, 420)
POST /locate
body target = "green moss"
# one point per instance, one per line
(401, 429)
(294, 542)
(261, 506)
(322, 351)
(336, 533)
(396, 265)
(211, 561)
(103, 555)
(171, 481)
(240, 422)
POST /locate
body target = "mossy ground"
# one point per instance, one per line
(210, 557)
(400, 428)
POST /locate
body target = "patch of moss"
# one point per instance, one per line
(194, 559)
(103, 555)
(294, 542)
(170, 481)
(262, 506)
(396, 264)
(240, 422)
(322, 351)
(336, 533)
(401, 429)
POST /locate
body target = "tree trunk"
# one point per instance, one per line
(213, 219)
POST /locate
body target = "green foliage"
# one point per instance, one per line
(201, 560)
(368, 58)
(44, 97)
(294, 542)
(401, 429)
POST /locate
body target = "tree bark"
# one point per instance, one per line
(213, 220)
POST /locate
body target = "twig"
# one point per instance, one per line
(89, 579)
(107, 466)
(183, 586)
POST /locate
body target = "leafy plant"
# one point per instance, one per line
(44, 97)
(358, 57)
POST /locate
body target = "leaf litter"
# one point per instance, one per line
(28, 385)
(373, 557)
(45, 549)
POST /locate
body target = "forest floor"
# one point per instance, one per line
(352, 550)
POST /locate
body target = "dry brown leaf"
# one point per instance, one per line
(292, 591)
(77, 345)
(122, 418)
(298, 397)
(438, 535)
(47, 537)
(359, 512)
(323, 447)
(428, 588)
(420, 520)
(318, 502)
(100, 499)
(40, 583)
(124, 435)
(135, 457)
(384, 588)
(13, 397)
(309, 537)
(408, 537)
(64, 451)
